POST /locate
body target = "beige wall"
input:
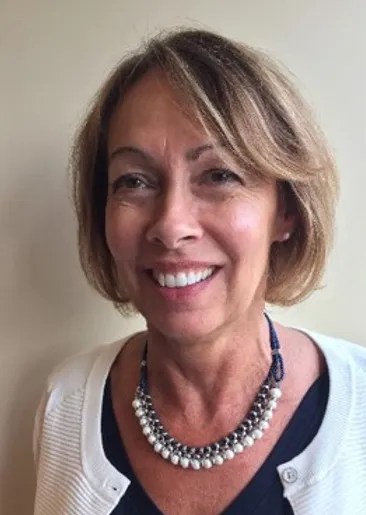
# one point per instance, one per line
(53, 55)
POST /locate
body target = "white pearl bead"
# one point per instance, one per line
(184, 463)
(207, 463)
(146, 430)
(267, 415)
(136, 404)
(219, 460)
(165, 453)
(238, 448)
(140, 413)
(275, 393)
(248, 441)
(229, 455)
(143, 421)
(174, 459)
(272, 404)
(151, 439)
(263, 425)
(257, 434)
(196, 465)
(157, 447)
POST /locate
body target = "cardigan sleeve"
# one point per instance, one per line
(37, 428)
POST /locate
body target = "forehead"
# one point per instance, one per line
(152, 112)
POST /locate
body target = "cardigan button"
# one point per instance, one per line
(290, 475)
(111, 486)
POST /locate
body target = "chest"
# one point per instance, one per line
(189, 492)
(204, 492)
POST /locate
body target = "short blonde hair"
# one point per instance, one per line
(244, 100)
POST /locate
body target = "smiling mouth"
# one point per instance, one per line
(181, 279)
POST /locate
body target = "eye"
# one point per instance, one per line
(221, 176)
(129, 182)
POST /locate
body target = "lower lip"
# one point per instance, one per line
(184, 293)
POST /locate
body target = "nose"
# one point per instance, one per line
(175, 222)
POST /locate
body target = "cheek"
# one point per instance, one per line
(247, 226)
(121, 233)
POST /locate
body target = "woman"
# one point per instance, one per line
(204, 191)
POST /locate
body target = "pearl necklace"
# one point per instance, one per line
(250, 429)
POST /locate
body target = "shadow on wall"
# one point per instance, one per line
(43, 307)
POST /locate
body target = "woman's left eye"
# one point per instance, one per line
(221, 176)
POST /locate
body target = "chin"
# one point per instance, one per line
(179, 326)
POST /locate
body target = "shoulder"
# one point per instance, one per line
(339, 352)
(72, 375)
(68, 385)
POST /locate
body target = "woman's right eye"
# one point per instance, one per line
(129, 182)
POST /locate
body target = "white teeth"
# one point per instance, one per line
(182, 279)
(191, 277)
(161, 279)
(170, 281)
(198, 277)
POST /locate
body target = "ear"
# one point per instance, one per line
(285, 228)
(286, 219)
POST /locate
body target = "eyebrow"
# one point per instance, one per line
(194, 153)
(120, 151)
(191, 155)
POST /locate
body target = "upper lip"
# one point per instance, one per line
(175, 267)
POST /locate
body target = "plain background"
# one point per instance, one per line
(53, 57)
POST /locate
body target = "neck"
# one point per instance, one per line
(218, 370)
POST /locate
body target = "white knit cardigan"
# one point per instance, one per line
(74, 476)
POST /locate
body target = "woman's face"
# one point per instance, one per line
(189, 232)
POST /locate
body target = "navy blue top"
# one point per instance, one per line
(263, 494)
